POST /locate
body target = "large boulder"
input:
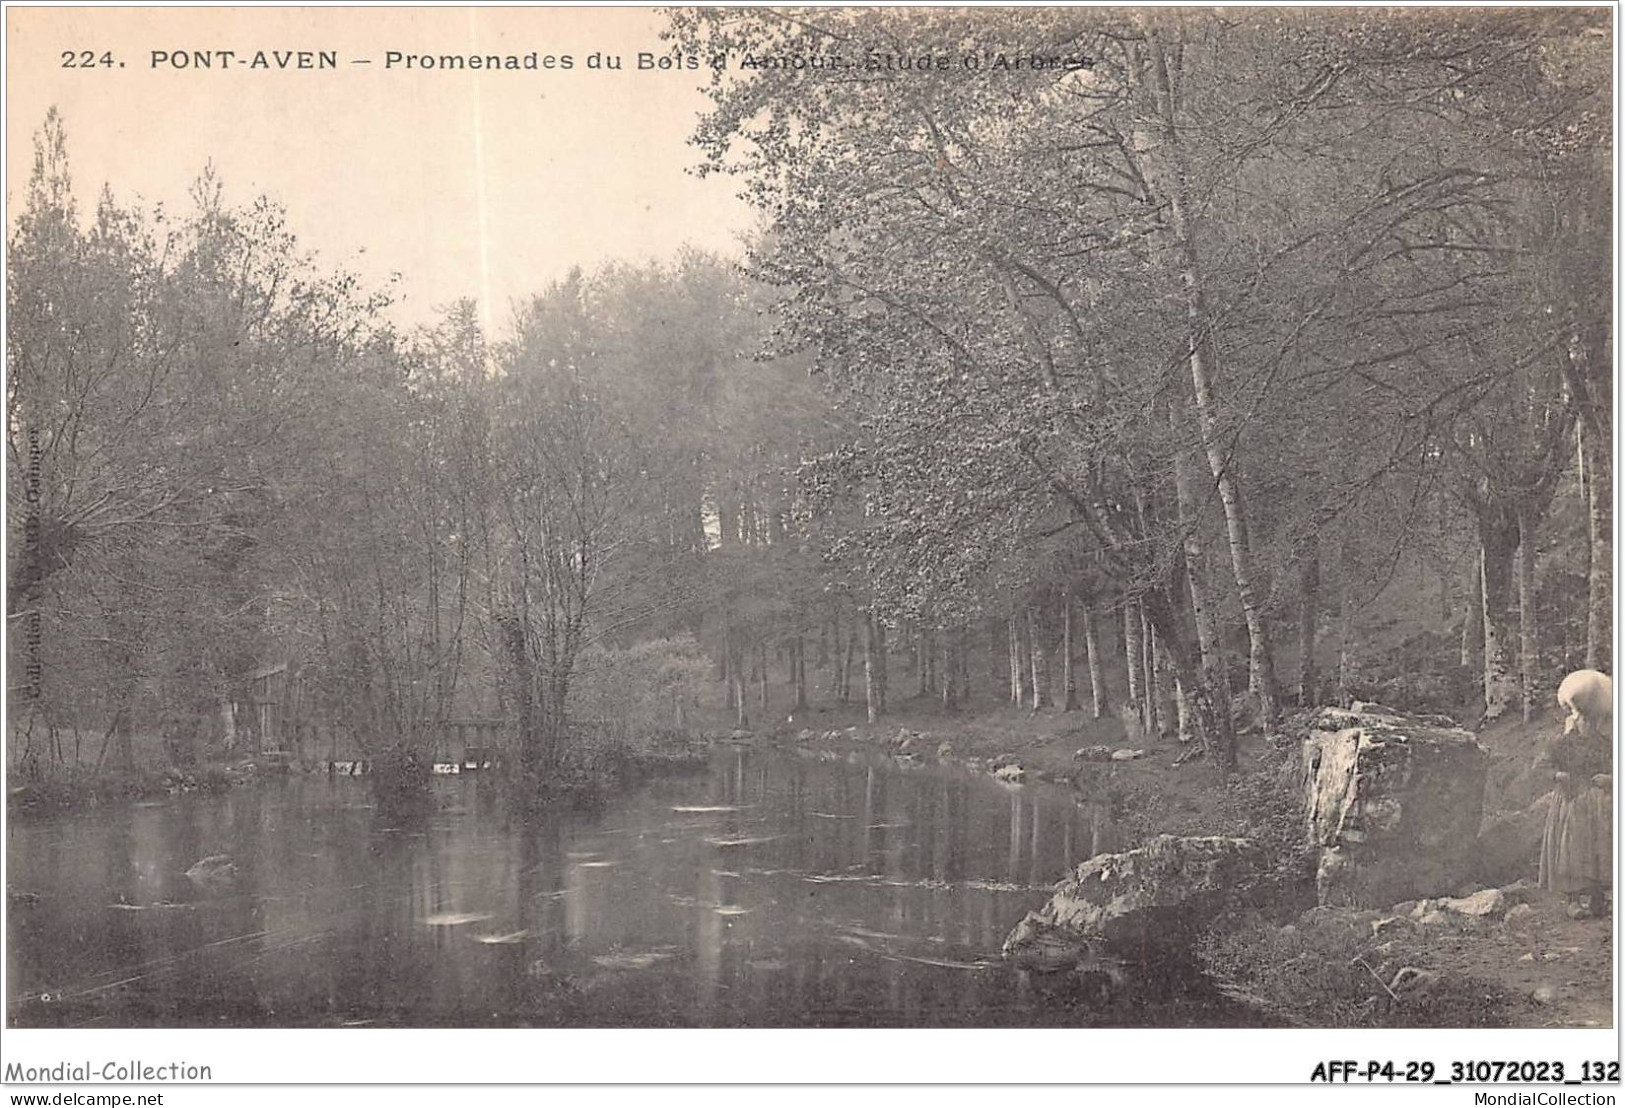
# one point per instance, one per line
(1509, 844)
(1159, 894)
(1393, 804)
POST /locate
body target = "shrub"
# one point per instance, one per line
(638, 691)
(1267, 807)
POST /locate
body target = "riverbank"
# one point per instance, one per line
(1526, 963)
(590, 773)
(1104, 760)
(72, 788)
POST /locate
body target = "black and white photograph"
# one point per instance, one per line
(1062, 518)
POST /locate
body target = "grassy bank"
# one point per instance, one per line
(69, 787)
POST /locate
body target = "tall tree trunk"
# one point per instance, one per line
(798, 662)
(1018, 688)
(1260, 648)
(1600, 572)
(1167, 688)
(1472, 623)
(761, 676)
(729, 702)
(1069, 685)
(1170, 178)
(1151, 706)
(916, 656)
(849, 650)
(1040, 666)
(1131, 653)
(1099, 700)
(1309, 626)
(996, 634)
(228, 723)
(117, 738)
(1213, 723)
(1528, 651)
(871, 669)
(882, 654)
(736, 681)
(529, 700)
(1182, 711)
(1501, 689)
(1215, 671)
(1346, 658)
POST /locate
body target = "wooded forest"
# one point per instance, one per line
(1255, 359)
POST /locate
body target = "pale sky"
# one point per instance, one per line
(467, 184)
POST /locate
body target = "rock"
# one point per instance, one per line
(214, 872)
(741, 733)
(1010, 772)
(1389, 925)
(1043, 947)
(1370, 709)
(1393, 804)
(1508, 847)
(1330, 920)
(945, 750)
(1005, 760)
(1126, 755)
(806, 735)
(904, 738)
(1412, 981)
(1544, 993)
(1519, 917)
(1487, 903)
(1158, 895)
(1521, 891)
(1092, 754)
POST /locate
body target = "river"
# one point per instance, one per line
(775, 888)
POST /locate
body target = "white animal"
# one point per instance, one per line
(1589, 697)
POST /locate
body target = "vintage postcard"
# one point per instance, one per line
(576, 521)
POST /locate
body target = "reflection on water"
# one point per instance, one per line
(779, 889)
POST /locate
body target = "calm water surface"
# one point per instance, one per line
(777, 888)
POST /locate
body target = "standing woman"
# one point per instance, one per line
(1577, 851)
